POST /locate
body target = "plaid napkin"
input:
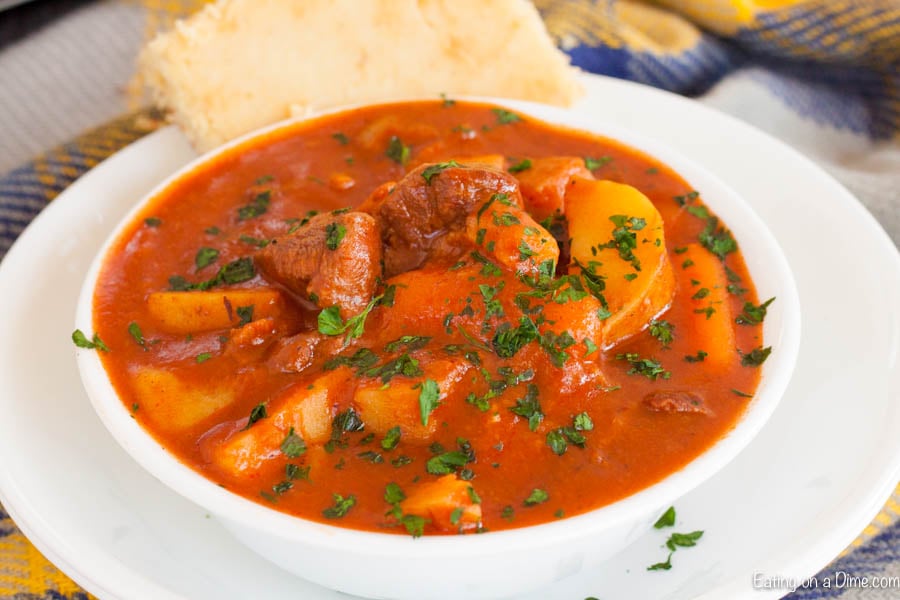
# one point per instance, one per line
(823, 76)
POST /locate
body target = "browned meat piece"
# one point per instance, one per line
(675, 402)
(333, 259)
(294, 353)
(544, 183)
(416, 214)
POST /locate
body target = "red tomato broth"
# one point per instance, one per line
(629, 448)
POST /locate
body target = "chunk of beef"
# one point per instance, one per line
(544, 183)
(333, 259)
(675, 402)
(416, 214)
(295, 353)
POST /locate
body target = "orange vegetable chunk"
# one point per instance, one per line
(544, 184)
(510, 236)
(639, 285)
(446, 502)
(306, 407)
(382, 406)
(173, 404)
(711, 323)
(181, 313)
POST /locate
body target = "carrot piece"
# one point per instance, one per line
(603, 217)
(711, 325)
(192, 312)
(544, 183)
(510, 236)
(447, 502)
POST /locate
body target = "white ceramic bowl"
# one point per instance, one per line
(495, 564)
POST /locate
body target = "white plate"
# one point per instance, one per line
(809, 483)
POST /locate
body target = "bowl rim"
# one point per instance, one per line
(781, 330)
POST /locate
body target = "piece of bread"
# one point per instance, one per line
(240, 64)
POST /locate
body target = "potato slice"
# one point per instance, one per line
(639, 280)
(192, 312)
(711, 323)
(174, 405)
(438, 500)
(306, 407)
(397, 404)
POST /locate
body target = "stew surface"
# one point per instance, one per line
(512, 323)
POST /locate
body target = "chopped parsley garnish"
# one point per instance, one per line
(393, 493)
(683, 540)
(488, 268)
(258, 242)
(755, 357)
(505, 117)
(402, 365)
(560, 438)
(709, 311)
(667, 519)
(508, 340)
(624, 239)
(295, 472)
(361, 360)
(397, 151)
(595, 163)
(697, 358)
(81, 341)
(752, 314)
(205, 257)
(330, 322)
(341, 506)
(649, 368)
(152, 221)
(429, 399)
(293, 445)
(203, 357)
(245, 314)
(371, 456)
(137, 335)
(506, 219)
(662, 566)
(701, 294)
(429, 172)
(446, 102)
(662, 330)
(236, 271)
(445, 462)
(684, 199)
(410, 342)
(555, 346)
(522, 165)
(537, 496)
(334, 233)
(347, 421)
(716, 239)
(258, 206)
(256, 413)
(529, 407)
(741, 394)
(212, 230)
(342, 139)
(391, 438)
